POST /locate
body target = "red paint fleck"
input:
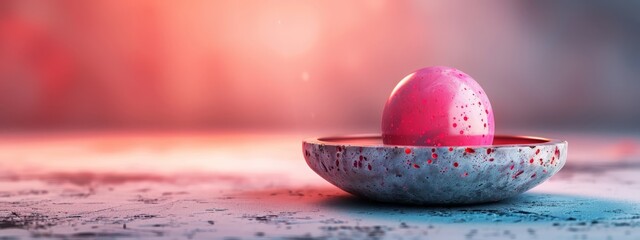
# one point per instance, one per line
(450, 149)
(490, 159)
(416, 166)
(461, 132)
(455, 164)
(466, 118)
(434, 155)
(361, 157)
(486, 111)
(518, 174)
(429, 161)
(355, 163)
(485, 125)
(337, 163)
(533, 176)
(465, 174)
(433, 150)
(488, 150)
(538, 151)
(455, 124)
(407, 150)
(369, 166)
(531, 160)
(359, 164)
(339, 149)
(512, 166)
(469, 150)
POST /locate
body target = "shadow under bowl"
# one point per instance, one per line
(363, 166)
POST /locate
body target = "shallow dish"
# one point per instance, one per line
(363, 166)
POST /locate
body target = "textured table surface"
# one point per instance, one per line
(253, 186)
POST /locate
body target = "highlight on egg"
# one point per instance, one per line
(438, 106)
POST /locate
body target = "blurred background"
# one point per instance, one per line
(310, 65)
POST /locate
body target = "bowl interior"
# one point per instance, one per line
(376, 140)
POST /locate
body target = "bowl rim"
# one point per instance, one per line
(332, 141)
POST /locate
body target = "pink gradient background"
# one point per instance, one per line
(300, 65)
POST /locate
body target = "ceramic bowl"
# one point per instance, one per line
(363, 166)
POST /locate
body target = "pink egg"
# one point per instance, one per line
(438, 106)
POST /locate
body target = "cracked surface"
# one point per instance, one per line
(247, 186)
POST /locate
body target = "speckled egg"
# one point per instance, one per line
(438, 106)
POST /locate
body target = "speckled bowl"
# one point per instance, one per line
(363, 166)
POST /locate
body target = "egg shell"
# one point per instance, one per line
(438, 106)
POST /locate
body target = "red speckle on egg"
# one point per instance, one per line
(369, 166)
(450, 149)
(416, 166)
(490, 159)
(429, 161)
(537, 151)
(469, 150)
(455, 164)
(407, 150)
(466, 118)
(531, 160)
(434, 155)
(337, 163)
(488, 150)
(455, 125)
(512, 166)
